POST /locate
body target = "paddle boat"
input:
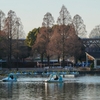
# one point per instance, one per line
(46, 74)
(55, 77)
(11, 78)
(71, 74)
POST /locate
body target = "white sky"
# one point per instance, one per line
(31, 12)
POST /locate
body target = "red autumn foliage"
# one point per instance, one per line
(52, 42)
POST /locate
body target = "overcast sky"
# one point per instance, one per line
(31, 12)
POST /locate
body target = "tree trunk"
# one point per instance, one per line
(42, 59)
(48, 60)
(58, 59)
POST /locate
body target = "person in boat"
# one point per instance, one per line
(56, 78)
(11, 76)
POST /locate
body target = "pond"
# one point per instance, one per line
(28, 88)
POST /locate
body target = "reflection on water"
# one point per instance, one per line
(81, 88)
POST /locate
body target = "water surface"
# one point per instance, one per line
(28, 88)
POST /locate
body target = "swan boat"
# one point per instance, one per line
(11, 78)
(55, 77)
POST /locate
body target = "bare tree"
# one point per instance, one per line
(2, 18)
(14, 31)
(19, 32)
(74, 46)
(2, 35)
(65, 17)
(79, 26)
(66, 46)
(3, 46)
(40, 44)
(95, 33)
(57, 41)
(9, 30)
(48, 20)
(63, 20)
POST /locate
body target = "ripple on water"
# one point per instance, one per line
(33, 88)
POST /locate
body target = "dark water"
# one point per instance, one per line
(80, 88)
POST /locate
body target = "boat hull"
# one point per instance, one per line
(55, 78)
(51, 81)
(7, 79)
(11, 78)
